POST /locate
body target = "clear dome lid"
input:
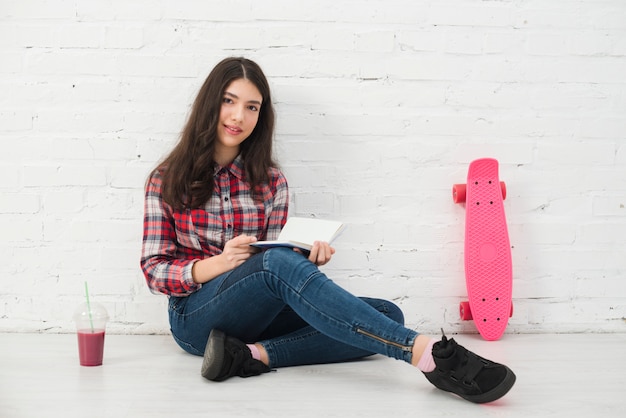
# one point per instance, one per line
(97, 314)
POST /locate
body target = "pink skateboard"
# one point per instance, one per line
(488, 269)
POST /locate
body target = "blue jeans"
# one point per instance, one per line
(283, 301)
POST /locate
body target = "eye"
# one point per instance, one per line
(254, 108)
(227, 100)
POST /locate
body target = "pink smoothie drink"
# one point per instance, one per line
(90, 347)
(91, 322)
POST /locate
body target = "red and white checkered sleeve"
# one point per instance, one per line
(280, 205)
(165, 269)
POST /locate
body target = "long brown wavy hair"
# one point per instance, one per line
(187, 172)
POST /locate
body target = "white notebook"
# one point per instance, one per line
(303, 232)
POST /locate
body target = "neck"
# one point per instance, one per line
(224, 157)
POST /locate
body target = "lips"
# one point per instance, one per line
(233, 130)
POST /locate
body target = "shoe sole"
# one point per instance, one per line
(494, 394)
(213, 355)
(497, 392)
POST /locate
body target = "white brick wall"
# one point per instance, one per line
(381, 105)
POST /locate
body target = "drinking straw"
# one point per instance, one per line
(89, 307)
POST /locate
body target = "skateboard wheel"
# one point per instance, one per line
(465, 311)
(458, 193)
(503, 189)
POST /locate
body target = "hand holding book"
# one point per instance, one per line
(303, 232)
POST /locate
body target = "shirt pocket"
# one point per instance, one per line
(186, 233)
(208, 228)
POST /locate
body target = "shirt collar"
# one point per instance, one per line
(235, 168)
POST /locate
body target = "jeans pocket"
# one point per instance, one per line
(177, 304)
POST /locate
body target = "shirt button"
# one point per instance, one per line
(226, 199)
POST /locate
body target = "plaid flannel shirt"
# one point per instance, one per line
(174, 240)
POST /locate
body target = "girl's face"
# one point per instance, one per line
(239, 114)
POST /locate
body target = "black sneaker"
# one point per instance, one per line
(225, 357)
(470, 376)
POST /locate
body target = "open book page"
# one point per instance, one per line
(303, 232)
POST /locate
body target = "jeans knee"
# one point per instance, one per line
(285, 255)
(389, 309)
(394, 312)
(287, 264)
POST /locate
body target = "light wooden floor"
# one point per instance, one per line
(149, 376)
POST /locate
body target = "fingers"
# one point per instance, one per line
(238, 250)
(242, 240)
(241, 244)
(321, 253)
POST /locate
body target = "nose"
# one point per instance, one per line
(237, 113)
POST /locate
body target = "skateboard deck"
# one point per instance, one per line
(487, 252)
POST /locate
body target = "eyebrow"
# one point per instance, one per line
(227, 93)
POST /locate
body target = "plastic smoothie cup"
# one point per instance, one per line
(91, 322)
